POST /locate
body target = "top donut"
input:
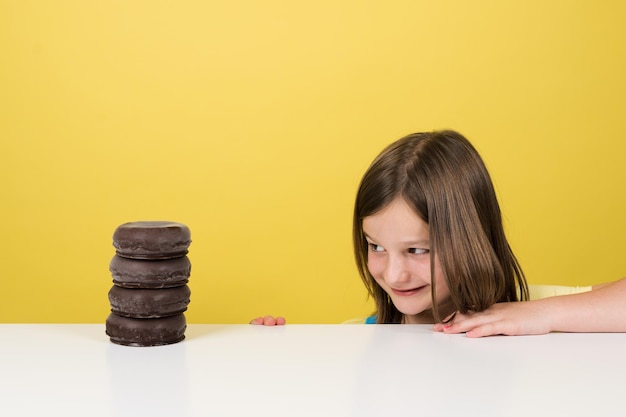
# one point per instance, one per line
(151, 240)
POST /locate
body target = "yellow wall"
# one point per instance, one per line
(253, 121)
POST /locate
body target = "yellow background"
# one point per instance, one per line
(252, 122)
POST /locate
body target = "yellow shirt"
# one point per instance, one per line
(543, 291)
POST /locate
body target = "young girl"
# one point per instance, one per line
(430, 248)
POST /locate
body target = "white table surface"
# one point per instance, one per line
(309, 370)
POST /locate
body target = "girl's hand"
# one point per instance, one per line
(514, 318)
(269, 321)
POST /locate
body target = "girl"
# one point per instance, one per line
(426, 208)
(430, 248)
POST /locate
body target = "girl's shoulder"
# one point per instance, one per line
(361, 320)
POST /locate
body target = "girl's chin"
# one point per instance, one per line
(419, 314)
(424, 318)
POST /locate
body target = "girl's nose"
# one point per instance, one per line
(396, 271)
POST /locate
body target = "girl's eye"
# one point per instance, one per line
(375, 248)
(418, 251)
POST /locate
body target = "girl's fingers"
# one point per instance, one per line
(269, 321)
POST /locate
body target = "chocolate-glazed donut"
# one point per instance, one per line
(149, 303)
(145, 332)
(151, 240)
(161, 273)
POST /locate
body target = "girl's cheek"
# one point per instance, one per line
(375, 266)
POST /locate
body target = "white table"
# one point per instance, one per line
(309, 370)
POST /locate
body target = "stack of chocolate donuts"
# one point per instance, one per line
(150, 274)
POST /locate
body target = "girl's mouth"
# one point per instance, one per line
(407, 293)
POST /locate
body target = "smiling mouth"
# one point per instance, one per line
(409, 292)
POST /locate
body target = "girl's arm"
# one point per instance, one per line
(601, 310)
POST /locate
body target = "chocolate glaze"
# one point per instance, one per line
(151, 240)
(149, 303)
(145, 332)
(162, 273)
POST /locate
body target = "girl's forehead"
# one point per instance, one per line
(397, 221)
(398, 208)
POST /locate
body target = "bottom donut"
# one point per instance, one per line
(146, 332)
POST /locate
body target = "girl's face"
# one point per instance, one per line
(398, 257)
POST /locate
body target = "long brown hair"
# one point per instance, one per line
(443, 178)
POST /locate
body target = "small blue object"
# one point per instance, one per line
(371, 320)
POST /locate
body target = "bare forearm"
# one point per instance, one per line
(601, 310)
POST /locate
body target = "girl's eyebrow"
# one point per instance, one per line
(418, 242)
(422, 242)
